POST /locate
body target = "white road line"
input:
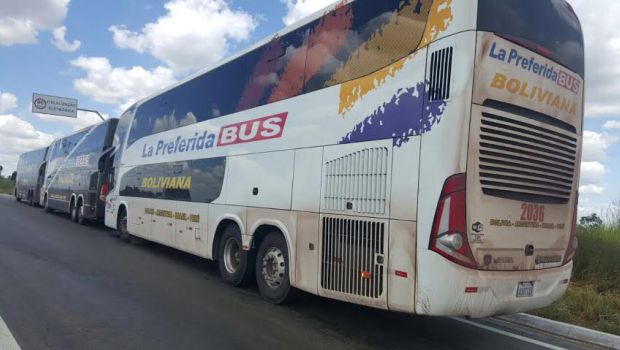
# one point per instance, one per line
(7, 341)
(508, 334)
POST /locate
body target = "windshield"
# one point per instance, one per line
(549, 27)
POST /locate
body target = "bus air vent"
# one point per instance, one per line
(440, 74)
(353, 256)
(357, 181)
(522, 160)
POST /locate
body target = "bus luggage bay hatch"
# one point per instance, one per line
(418, 156)
(75, 180)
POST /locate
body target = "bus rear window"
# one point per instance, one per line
(549, 27)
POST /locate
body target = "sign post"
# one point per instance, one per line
(59, 106)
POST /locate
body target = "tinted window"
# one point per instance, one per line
(197, 181)
(361, 38)
(68, 143)
(551, 24)
(122, 127)
(50, 151)
(276, 70)
(61, 149)
(350, 42)
(120, 134)
(268, 74)
(208, 96)
(94, 142)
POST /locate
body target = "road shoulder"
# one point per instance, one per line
(565, 330)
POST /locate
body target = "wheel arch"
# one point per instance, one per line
(223, 222)
(121, 206)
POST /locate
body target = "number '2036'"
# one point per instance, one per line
(532, 212)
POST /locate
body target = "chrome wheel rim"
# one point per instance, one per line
(232, 258)
(274, 267)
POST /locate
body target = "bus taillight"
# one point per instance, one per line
(449, 235)
(572, 243)
(104, 191)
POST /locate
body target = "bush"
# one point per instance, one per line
(6, 186)
(598, 258)
(593, 297)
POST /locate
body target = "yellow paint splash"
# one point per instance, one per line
(439, 19)
(352, 91)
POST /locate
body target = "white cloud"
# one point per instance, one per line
(192, 34)
(298, 9)
(592, 173)
(121, 86)
(591, 189)
(8, 102)
(18, 136)
(595, 145)
(602, 39)
(61, 43)
(21, 20)
(612, 125)
(593, 170)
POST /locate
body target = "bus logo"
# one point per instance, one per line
(261, 129)
(40, 103)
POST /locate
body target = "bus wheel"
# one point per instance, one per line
(81, 219)
(16, 196)
(74, 211)
(235, 264)
(272, 269)
(31, 199)
(123, 232)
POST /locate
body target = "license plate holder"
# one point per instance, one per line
(525, 289)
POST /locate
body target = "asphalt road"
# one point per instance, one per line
(63, 286)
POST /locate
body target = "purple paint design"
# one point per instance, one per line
(404, 116)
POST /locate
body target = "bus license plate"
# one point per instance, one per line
(525, 289)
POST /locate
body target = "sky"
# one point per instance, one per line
(109, 54)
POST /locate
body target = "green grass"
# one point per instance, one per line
(593, 298)
(6, 186)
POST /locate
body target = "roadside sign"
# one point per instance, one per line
(61, 106)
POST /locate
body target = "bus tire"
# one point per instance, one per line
(123, 232)
(74, 211)
(17, 199)
(272, 269)
(81, 219)
(31, 199)
(235, 264)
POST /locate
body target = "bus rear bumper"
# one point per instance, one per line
(460, 291)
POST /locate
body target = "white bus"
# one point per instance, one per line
(418, 156)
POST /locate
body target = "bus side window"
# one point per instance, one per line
(363, 37)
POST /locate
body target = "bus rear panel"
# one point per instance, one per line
(503, 233)
(29, 180)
